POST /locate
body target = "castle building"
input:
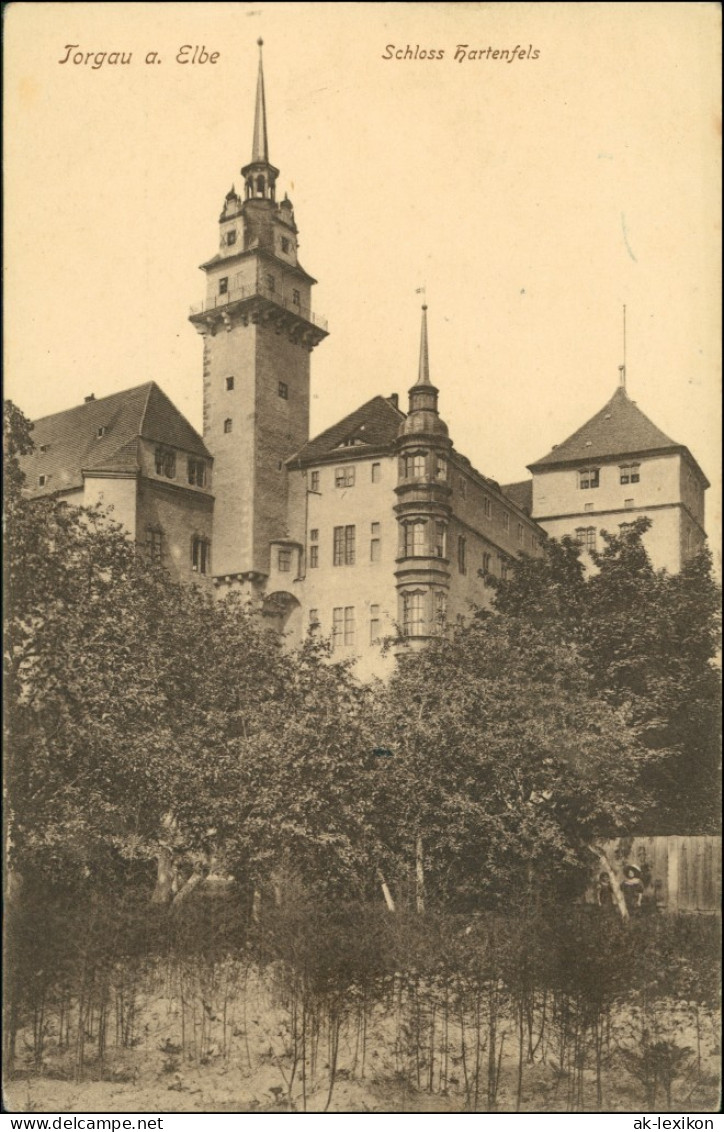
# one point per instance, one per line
(139, 458)
(374, 528)
(614, 469)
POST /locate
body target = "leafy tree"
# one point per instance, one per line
(121, 689)
(648, 641)
(17, 442)
(300, 806)
(506, 764)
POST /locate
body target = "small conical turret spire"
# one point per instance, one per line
(260, 145)
(423, 376)
(423, 415)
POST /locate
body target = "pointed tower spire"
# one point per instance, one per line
(260, 175)
(260, 144)
(423, 394)
(423, 376)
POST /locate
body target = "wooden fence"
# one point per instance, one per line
(680, 874)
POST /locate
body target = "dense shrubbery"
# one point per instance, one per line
(566, 1009)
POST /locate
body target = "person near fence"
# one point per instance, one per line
(632, 888)
(605, 896)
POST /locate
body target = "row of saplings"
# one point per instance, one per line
(557, 1009)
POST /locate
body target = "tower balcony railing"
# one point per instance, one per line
(258, 290)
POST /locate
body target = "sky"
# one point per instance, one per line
(533, 196)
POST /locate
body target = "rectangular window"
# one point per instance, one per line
(313, 620)
(296, 298)
(463, 488)
(224, 285)
(344, 477)
(227, 424)
(440, 539)
(440, 468)
(313, 557)
(487, 508)
(314, 481)
(588, 478)
(200, 555)
(588, 507)
(375, 542)
(41, 481)
(229, 383)
(314, 534)
(413, 614)
(504, 569)
(165, 463)
(440, 607)
(376, 473)
(415, 545)
(349, 624)
(520, 532)
(630, 473)
(374, 624)
(586, 536)
(628, 503)
(344, 546)
(196, 472)
(342, 625)
(154, 544)
(506, 521)
(283, 390)
(101, 431)
(285, 244)
(413, 465)
(285, 561)
(270, 282)
(231, 237)
(486, 563)
(462, 548)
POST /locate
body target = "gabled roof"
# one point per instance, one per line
(618, 429)
(103, 436)
(520, 494)
(371, 428)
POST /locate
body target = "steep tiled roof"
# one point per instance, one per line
(619, 429)
(370, 428)
(102, 435)
(163, 422)
(521, 494)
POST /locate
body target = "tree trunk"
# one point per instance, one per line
(386, 892)
(608, 868)
(193, 882)
(165, 877)
(419, 875)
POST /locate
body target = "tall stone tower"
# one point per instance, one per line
(258, 330)
(423, 508)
